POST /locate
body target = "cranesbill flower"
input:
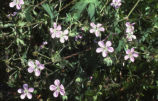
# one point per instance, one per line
(130, 36)
(25, 92)
(105, 48)
(131, 54)
(63, 36)
(56, 30)
(57, 88)
(96, 29)
(116, 3)
(129, 27)
(35, 67)
(16, 3)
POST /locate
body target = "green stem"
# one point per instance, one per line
(44, 56)
(133, 8)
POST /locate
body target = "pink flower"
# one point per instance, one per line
(96, 29)
(55, 31)
(35, 67)
(57, 88)
(63, 36)
(130, 31)
(25, 92)
(116, 3)
(105, 48)
(131, 54)
(43, 44)
(16, 3)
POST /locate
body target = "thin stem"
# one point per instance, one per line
(44, 56)
(133, 8)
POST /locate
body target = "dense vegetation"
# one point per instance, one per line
(79, 50)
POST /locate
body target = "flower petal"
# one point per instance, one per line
(18, 6)
(66, 32)
(56, 93)
(104, 53)
(92, 30)
(101, 44)
(62, 40)
(31, 64)
(21, 2)
(108, 43)
(111, 49)
(20, 90)
(98, 50)
(132, 58)
(132, 50)
(101, 29)
(57, 82)
(30, 69)
(12, 4)
(25, 86)
(52, 87)
(99, 25)
(92, 25)
(126, 57)
(62, 87)
(22, 96)
(128, 51)
(31, 90)
(62, 92)
(55, 25)
(59, 27)
(29, 95)
(65, 37)
(97, 33)
(37, 72)
(135, 54)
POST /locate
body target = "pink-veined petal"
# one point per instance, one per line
(62, 87)
(132, 58)
(99, 50)
(41, 66)
(51, 30)
(22, 96)
(92, 25)
(20, 90)
(135, 54)
(62, 40)
(97, 33)
(31, 90)
(31, 64)
(29, 95)
(53, 35)
(108, 43)
(58, 34)
(21, 2)
(25, 86)
(18, 6)
(101, 44)
(128, 51)
(52, 87)
(57, 82)
(12, 4)
(111, 49)
(92, 30)
(37, 72)
(62, 92)
(30, 69)
(37, 62)
(126, 57)
(55, 25)
(132, 50)
(56, 93)
(101, 29)
(59, 27)
(104, 53)
(66, 32)
(99, 25)
(65, 37)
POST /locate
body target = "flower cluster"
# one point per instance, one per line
(35, 67)
(116, 3)
(57, 33)
(16, 3)
(26, 91)
(57, 88)
(130, 31)
(105, 48)
(96, 29)
(131, 54)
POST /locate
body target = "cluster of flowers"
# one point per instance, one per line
(116, 3)
(130, 31)
(106, 48)
(36, 67)
(57, 33)
(16, 3)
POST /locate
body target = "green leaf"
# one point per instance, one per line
(91, 11)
